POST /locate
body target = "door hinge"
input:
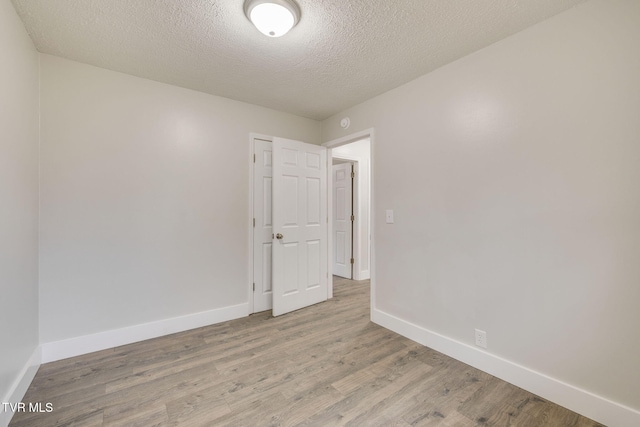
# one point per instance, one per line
(353, 218)
(254, 158)
(254, 287)
(352, 260)
(353, 174)
(254, 223)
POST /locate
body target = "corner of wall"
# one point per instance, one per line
(20, 386)
(77, 346)
(578, 400)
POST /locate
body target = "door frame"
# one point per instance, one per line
(252, 149)
(252, 137)
(356, 236)
(334, 143)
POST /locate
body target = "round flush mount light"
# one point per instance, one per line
(273, 18)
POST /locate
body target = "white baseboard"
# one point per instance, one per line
(20, 386)
(71, 347)
(362, 275)
(581, 401)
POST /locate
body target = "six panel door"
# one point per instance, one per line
(299, 266)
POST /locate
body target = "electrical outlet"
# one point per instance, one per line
(389, 216)
(481, 338)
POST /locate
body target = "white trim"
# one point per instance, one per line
(372, 220)
(352, 159)
(108, 339)
(578, 400)
(20, 385)
(252, 151)
(329, 223)
(367, 133)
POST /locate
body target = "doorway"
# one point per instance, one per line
(343, 216)
(363, 235)
(358, 154)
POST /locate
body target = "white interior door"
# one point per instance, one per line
(342, 220)
(263, 225)
(300, 225)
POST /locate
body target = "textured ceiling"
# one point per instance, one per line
(341, 53)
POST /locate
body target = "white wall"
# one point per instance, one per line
(18, 204)
(361, 151)
(144, 202)
(514, 177)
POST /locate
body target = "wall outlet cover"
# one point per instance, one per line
(389, 216)
(481, 338)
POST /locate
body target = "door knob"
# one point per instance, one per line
(279, 236)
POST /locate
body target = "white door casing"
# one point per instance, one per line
(300, 219)
(342, 220)
(263, 226)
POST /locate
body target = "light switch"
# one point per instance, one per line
(389, 216)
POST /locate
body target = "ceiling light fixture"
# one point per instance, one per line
(273, 18)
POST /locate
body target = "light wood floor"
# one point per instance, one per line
(325, 365)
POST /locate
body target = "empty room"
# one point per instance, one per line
(297, 212)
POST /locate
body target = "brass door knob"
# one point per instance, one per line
(279, 236)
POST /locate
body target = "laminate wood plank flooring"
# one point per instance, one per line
(325, 365)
